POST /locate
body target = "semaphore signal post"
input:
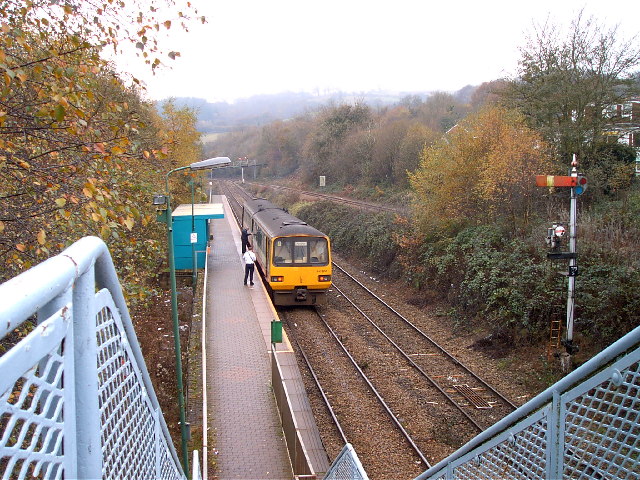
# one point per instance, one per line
(578, 184)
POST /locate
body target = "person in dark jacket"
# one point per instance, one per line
(244, 238)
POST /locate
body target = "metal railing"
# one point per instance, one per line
(76, 400)
(585, 426)
(346, 466)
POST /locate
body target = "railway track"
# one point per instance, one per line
(232, 192)
(351, 404)
(341, 200)
(474, 398)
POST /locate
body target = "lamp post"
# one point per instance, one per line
(194, 235)
(216, 162)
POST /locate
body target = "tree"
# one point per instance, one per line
(567, 79)
(488, 93)
(389, 136)
(610, 167)
(76, 144)
(279, 147)
(179, 133)
(323, 146)
(416, 138)
(441, 111)
(482, 171)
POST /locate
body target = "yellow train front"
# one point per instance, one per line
(294, 258)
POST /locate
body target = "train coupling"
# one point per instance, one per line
(301, 294)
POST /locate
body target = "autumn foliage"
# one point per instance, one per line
(480, 172)
(80, 151)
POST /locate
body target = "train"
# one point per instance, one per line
(293, 258)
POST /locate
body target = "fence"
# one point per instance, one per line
(585, 426)
(76, 400)
(346, 466)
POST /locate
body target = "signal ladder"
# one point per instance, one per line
(556, 316)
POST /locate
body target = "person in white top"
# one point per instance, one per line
(249, 264)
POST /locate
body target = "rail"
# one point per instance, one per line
(76, 400)
(585, 426)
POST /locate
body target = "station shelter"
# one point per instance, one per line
(191, 232)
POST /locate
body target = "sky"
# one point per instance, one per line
(255, 47)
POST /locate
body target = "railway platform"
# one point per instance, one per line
(251, 435)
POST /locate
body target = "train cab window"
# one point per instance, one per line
(300, 251)
(282, 253)
(318, 251)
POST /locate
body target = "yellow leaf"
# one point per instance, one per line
(42, 237)
(129, 223)
(146, 154)
(96, 217)
(87, 192)
(59, 112)
(61, 202)
(20, 247)
(1, 226)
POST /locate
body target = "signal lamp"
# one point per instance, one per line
(277, 279)
(324, 278)
(581, 185)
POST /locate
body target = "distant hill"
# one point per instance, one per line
(258, 110)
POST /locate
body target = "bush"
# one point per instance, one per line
(607, 304)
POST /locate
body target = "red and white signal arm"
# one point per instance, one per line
(559, 231)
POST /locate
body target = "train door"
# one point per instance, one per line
(267, 263)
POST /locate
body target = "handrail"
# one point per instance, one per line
(73, 390)
(603, 384)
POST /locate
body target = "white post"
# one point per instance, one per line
(573, 262)
(88, 442)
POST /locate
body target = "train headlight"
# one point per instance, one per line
(277, 279)
(324, 278)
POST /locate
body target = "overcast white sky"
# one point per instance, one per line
(260, 47)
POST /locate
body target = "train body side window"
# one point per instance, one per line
(259, 239)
